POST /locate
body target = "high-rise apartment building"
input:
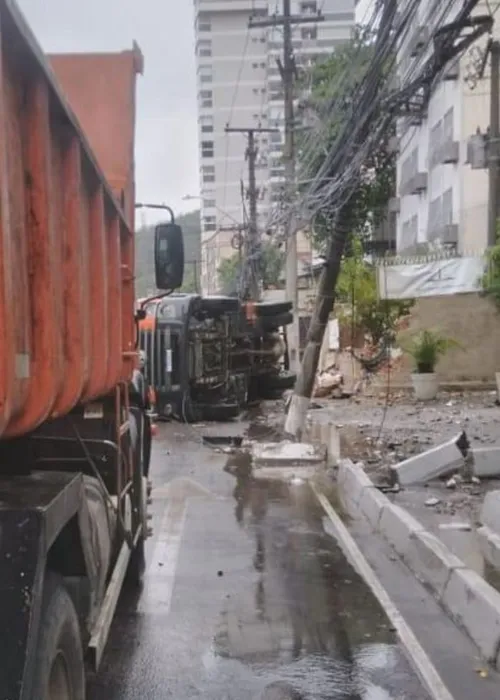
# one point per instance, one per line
(239, 85)
(441, 199)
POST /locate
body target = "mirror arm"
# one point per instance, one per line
(165, 207)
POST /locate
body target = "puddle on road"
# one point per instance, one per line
(306, 617)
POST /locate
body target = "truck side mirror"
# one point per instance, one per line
(169, 256)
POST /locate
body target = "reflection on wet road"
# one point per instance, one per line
(244, 588)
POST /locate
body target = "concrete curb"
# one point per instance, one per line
(471, 602)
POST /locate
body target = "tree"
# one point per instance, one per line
(357, 289)
(334, 81)
(271, 266)
(189, 285)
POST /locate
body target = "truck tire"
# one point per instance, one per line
(59, 665)
(221, 412)
(220, 305)
(282, 381)
(271, 323)
(273, 308)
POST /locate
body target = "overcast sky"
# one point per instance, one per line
(166, 136)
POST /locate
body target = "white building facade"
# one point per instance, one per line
(440, 198)
(239, 85)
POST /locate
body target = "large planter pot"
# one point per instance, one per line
(425, 385)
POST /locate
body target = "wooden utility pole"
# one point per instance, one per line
(494, 140)
(253, 238)
(288, 71)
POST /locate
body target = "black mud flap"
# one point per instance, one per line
(33, 510)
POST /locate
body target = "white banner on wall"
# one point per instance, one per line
(431, 278)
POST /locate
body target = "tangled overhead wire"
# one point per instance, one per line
(365, 104)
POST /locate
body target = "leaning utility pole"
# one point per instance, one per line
(288, 71)
(494, 140)
(253, 239)
(325, 295)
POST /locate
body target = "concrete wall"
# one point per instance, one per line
(471, 320)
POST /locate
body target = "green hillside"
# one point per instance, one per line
(144, 254)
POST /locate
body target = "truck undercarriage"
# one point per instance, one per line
(208, 357)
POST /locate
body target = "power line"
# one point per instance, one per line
(231, 110)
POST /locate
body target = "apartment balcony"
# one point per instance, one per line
(446, 234)
(447, 153)
(452, 72)
(416, 184)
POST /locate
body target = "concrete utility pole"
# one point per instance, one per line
(288, 71)
(253, 239)
(494, 141)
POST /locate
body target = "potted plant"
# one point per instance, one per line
(426, 348)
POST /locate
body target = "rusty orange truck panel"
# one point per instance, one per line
(101, 90)
(66, 241)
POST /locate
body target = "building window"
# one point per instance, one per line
(275, 137)
(206, 75)
(207, 123)
(209, 203)
(205, 97)
(259, 13)
(204, 24)
(309, 33)
(308, 7)
(208, 173)
(205, 48)
(207, 149)
(209, 223)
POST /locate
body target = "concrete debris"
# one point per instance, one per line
(459, 527)
(437, 462)
(490, 512)
(486, 461)
(287, 453)
(452, 483)
(327, 382)
(433, 501)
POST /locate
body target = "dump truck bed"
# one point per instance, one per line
(66, 244)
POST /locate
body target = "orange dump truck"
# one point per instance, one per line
(73, 421)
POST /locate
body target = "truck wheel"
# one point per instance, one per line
(273, 308)
(59, 666)
(271, 323)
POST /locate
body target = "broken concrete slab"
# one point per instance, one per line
(431, 561)
(490, 511)
(489, 544)
(475, 605)
(486, 461)
(438, 461)
(288, 454)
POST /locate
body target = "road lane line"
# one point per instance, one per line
(417, 656)
(161, 572)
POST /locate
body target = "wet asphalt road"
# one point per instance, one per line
(244, 587)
